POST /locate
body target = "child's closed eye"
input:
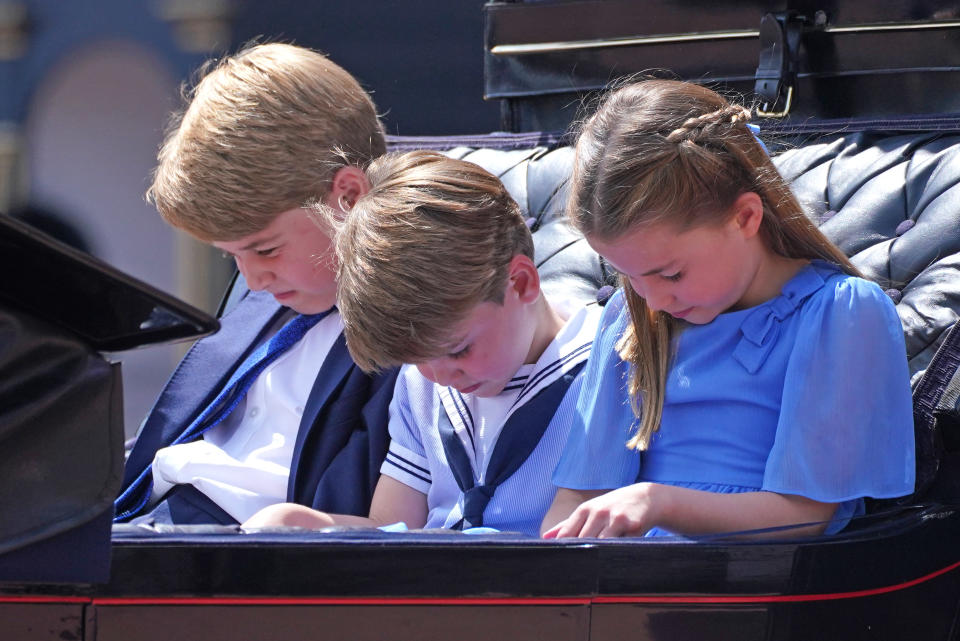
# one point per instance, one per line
(267, 252)
(672, 277)
(462, 352)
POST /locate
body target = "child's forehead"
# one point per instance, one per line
(285, 225)
(460, 329)
(473, 321)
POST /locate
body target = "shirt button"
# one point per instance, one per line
(299, 409)
(254, 412)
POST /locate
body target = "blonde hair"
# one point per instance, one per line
(264, 132)
(664, 151)
(432, 238)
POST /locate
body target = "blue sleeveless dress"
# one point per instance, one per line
(807, 393)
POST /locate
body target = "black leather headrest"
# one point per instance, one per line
(538, 179)
(892, 203)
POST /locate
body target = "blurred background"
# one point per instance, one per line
(86, 88)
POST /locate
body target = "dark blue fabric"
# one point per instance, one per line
(133, 499)
(340, 450)
(342, 438)
(186, 505)
(202, 373)
(518, 438)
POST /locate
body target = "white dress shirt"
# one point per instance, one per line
(243, 463)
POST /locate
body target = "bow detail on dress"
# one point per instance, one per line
(761, 327)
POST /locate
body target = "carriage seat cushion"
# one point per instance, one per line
(892, 203)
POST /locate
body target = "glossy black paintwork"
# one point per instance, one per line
(841, 74)
(889, 580)
(88, 298)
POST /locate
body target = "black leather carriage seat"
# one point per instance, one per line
(892, 203)
(537, 180)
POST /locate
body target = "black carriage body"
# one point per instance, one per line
(893, 575)
(892, 581)
(835, 59)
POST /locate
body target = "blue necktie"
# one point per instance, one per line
(518, 438)
(221, 406)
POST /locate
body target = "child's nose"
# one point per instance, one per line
(658, 296)
(658, 302)
(256, 276)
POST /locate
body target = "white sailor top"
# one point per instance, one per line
(417, 457)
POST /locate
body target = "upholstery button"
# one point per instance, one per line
(894, 294)
(604, 294)
(905, 226)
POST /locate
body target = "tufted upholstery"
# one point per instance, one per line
(537, 180)
(892, 203)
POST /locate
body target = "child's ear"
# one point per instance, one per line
(346, 188)
(523, 279)
(747, 213)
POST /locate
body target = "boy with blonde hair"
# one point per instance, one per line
(436, 270)
(271, 408)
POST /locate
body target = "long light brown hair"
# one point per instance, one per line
(661, 151)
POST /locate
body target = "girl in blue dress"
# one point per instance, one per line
(745, 377)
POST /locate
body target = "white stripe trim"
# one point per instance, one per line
(408, 467)
(570, 347)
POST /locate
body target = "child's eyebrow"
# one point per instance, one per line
(261, 242)
(658, 269)
(453, 346)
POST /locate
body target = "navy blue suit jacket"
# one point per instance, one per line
(342, 438)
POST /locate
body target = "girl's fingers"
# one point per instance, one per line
(572, 526)
(597, 522)
(614, 527)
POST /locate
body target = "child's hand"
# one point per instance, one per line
(288, 515)
(627, 511)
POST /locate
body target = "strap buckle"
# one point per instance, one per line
(766, 112)
(776, 73)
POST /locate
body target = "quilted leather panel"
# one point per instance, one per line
(892, 203)
(537, 180)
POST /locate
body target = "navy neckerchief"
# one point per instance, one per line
(518, 438)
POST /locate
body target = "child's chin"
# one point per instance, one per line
(308, 305)
(486, 390)
(699, 317)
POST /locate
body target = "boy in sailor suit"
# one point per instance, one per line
(271, 408)
(436, 270)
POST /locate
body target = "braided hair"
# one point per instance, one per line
(664, 151)
(708, 124)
